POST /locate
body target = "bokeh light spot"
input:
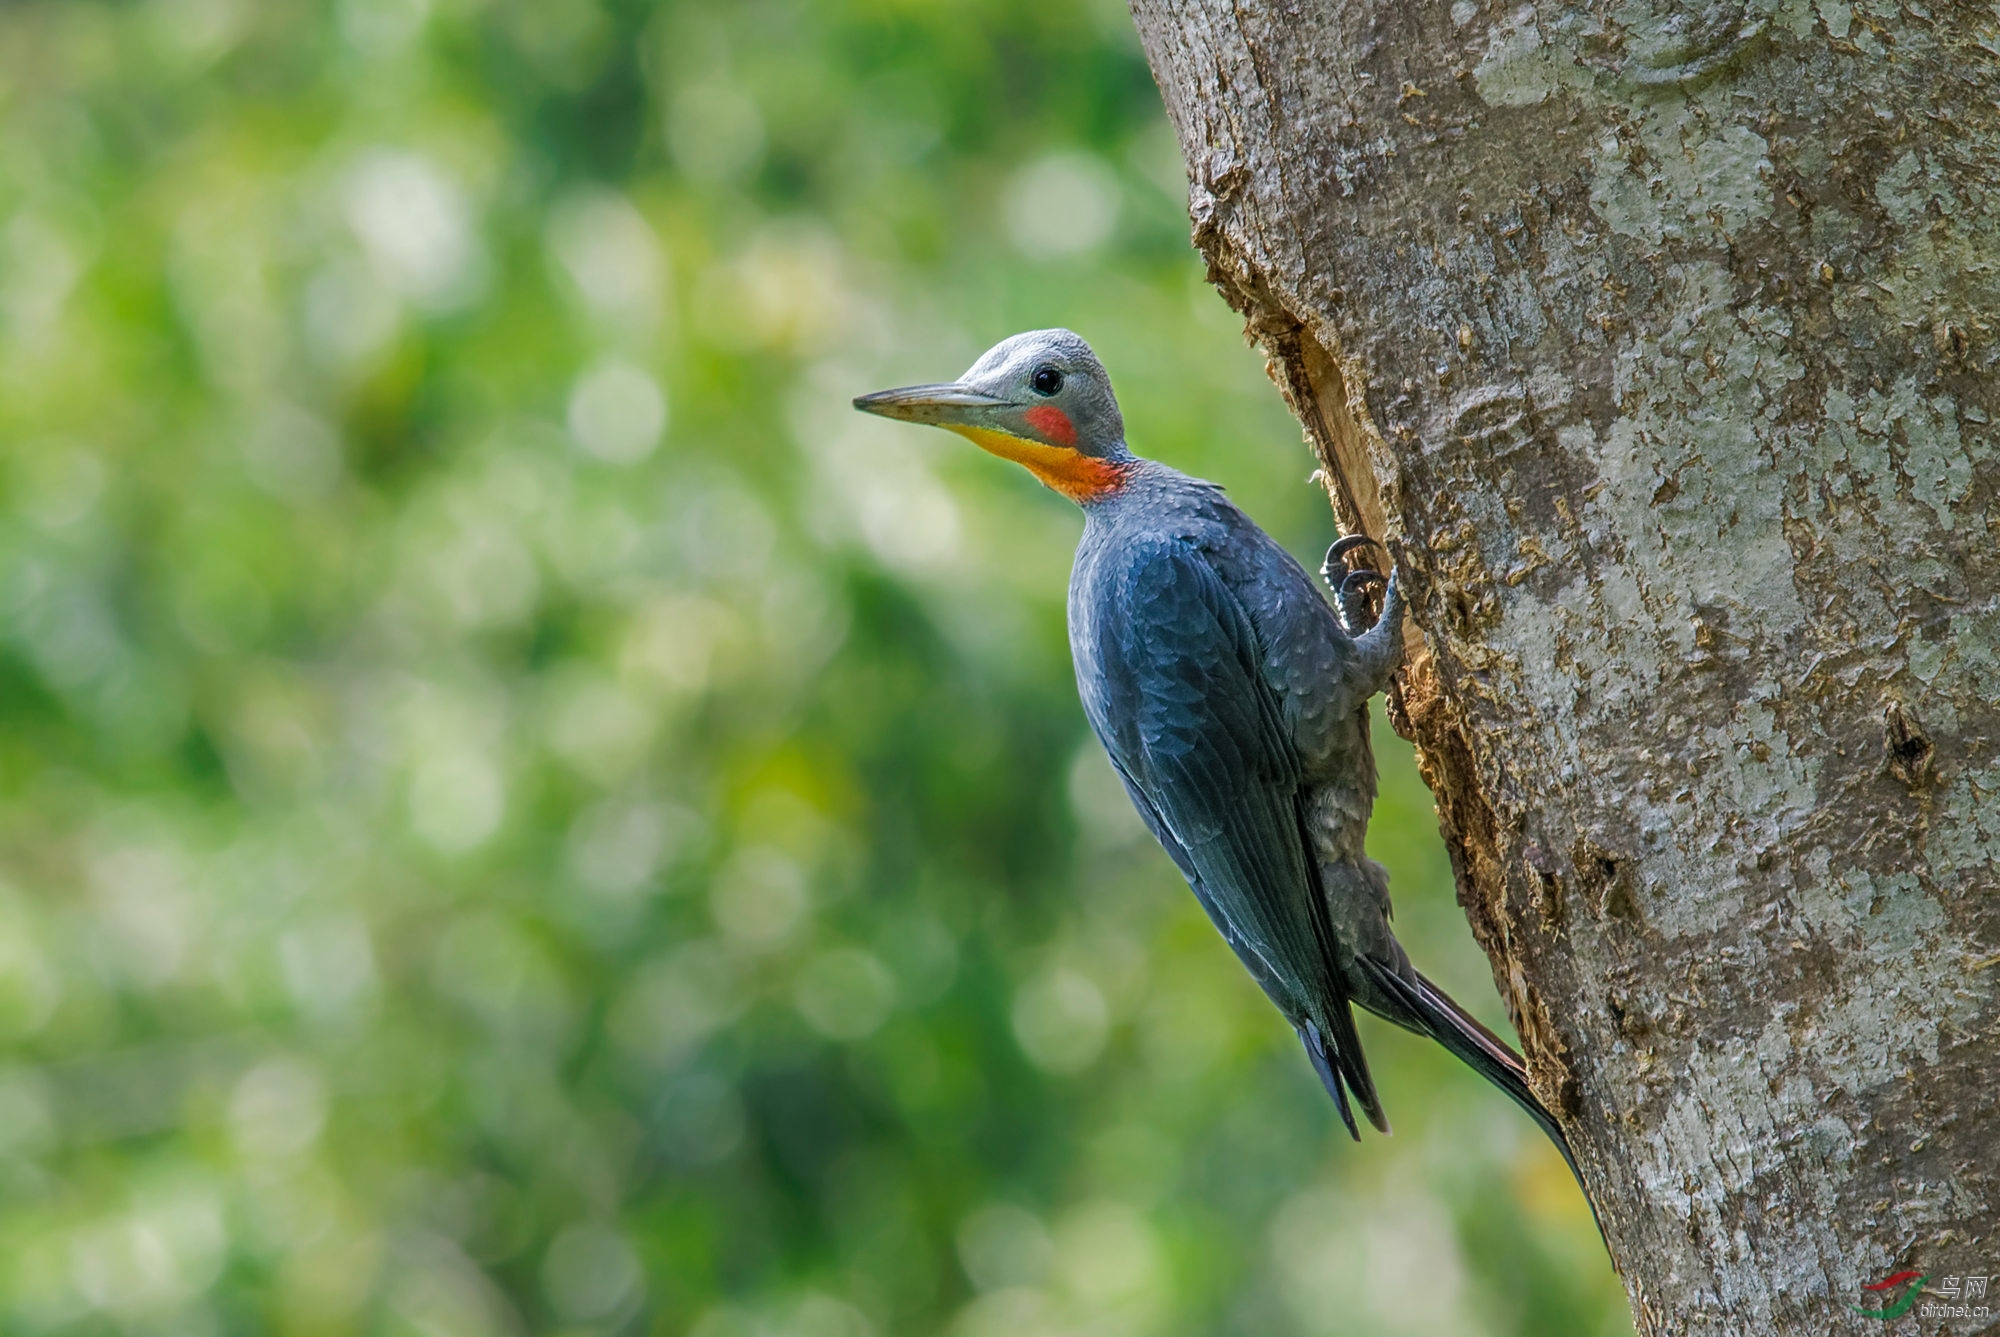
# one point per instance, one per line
(590, 1274)
(1061, 1021)
(617, 412)
(845, 994)
(1064, 204)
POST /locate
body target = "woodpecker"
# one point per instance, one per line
(1232, 699)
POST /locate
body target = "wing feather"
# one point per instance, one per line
(1179, 698)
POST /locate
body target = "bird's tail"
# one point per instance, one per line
(1478, 1048)
(1337, 1058)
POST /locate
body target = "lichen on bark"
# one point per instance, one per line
(1655, 338)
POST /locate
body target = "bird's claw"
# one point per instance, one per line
(1350, 588)
(1357, 580)
(1357, 613)
(1342, 546)
(1337, 554)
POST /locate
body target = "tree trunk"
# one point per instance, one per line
(1657, 339)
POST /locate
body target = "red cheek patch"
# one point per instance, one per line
(1052, 423)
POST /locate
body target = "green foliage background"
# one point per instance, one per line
(523, 813)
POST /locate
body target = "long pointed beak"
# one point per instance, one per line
(939, 405)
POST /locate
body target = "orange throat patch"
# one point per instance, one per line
(1078, 476)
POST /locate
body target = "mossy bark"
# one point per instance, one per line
(1658, 340)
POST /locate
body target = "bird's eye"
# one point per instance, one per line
(1046, 380)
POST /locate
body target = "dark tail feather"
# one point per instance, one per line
(1353, 1063)
(1324, 1063)
(1479, 1049)
(1338, 1060)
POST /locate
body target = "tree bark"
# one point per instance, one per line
(1657, 340)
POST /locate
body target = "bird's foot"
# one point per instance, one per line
(1350, 588)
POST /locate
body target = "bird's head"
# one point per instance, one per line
(1041, 399)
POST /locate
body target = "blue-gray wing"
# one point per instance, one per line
(1278, 990)
(1170, 675)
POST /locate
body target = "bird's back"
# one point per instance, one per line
(1306, 659)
